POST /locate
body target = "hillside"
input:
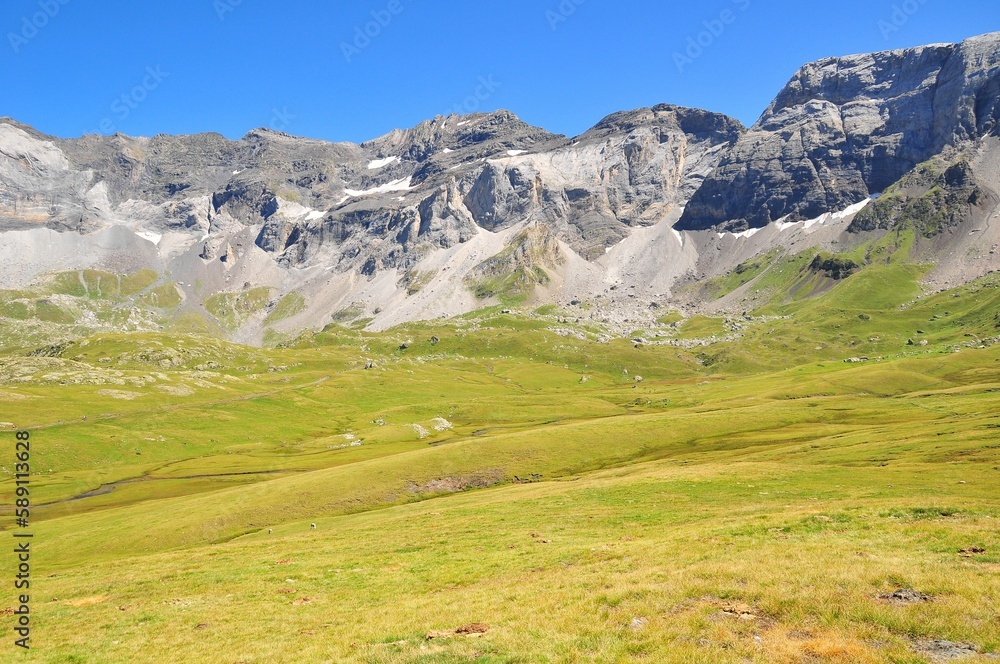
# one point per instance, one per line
(673, 390)
(642, 206)
(633, 488)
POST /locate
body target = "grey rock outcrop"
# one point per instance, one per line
(380, 205)
(430, 221)
(460, 174)
(846, 128)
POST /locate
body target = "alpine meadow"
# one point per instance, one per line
(672, 390)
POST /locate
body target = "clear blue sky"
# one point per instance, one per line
(188, 66)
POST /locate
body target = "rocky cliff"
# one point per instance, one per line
(846, 128)
(449, 177)
(463, 211)
(372, 206)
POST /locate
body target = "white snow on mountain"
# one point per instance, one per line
(395, 185)
(381, 163)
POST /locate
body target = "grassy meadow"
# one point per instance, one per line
(489, 489)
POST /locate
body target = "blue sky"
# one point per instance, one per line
(307, 67)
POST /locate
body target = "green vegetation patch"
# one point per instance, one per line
(512, 275)
(930, 200)
(348, 314)
(166, 296)
(231, 310)
(743, 274)
(416, 280)
(290, 305)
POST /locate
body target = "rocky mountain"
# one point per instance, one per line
(844, 129)
(432, 185)
(441, 182)
(272, 234)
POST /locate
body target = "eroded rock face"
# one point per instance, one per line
(380, 205)
(846, 128)
(493, 171)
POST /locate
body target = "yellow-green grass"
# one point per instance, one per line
(749, 503)
(288, 306)
(231, 310)
(760, 560)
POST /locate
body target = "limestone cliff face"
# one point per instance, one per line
(379, 205)
(846, 128)
(427, 221)
(446, 179)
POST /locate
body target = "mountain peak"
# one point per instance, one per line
(846, 128)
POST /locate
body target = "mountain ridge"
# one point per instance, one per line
(846, 128)
(639, 207)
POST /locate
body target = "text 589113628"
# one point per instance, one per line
(22, 538)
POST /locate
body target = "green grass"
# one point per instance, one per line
(743, 274)
(748, 501)
(703, 327)
(670, 318)
(511, 276)
(166, 296)
(290, 305)
(231, 310)
(511, 288)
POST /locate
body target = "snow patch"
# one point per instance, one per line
(293, 210)
(515, 153)
(462, 123)
(784, 225)
(381, 163)
(150, 236)
(854, 209)
(825, 218)
(395, 185)
(743, 234)
(678, 235)
(448, 150)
